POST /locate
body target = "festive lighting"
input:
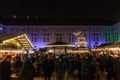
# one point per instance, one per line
(18, 51)
(60, 46)
(23, 39)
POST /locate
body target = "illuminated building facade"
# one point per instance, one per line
(116, 32)
(41, 35)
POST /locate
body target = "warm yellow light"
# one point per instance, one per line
(60, 46)
(12, 51)
(22, 39)
(28, 40)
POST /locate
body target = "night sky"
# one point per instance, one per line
(106, 10)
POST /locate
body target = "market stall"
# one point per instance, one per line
(59, 47)
(14, 44)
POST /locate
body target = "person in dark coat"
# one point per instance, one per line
(117, 69)
(5, 68)
(71, 66)
(27, 71)
(79, 67)
(17, 63)
(87, 68)
(109, 68)
(60, 69)
(48, 67)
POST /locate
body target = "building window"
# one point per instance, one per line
(36, 29)
(34, 37)
(23, 29)
(45, 30)
(10, 29)
(95, 37)
(46, 37)
(71, 37)
(108, 37)
(116, 37)
(58, 37)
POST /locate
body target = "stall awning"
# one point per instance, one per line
(59, 44)
(22, 39)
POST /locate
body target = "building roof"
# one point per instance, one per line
(112, 44)
(116, 44)
(46, 21)
(106, 45)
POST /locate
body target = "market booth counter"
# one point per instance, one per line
(10, 52)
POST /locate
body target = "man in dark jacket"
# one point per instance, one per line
(48, 67)
(87, 68)
(5, 68)
(60, 69)
(109, 68)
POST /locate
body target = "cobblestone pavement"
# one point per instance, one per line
(54, 78)
(14, 77)
(39, 78)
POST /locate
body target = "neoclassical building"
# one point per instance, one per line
(116, 31)
(41, 35)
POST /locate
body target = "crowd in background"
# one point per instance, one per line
(87, 66)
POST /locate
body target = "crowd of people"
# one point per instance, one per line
(87, 66)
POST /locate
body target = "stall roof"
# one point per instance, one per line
(59, 43)
(106, 45)
(7, 36)
(22, 39)
(116, 44)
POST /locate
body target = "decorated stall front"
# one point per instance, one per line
(59, 47)
(14, 44)
(113, 47)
